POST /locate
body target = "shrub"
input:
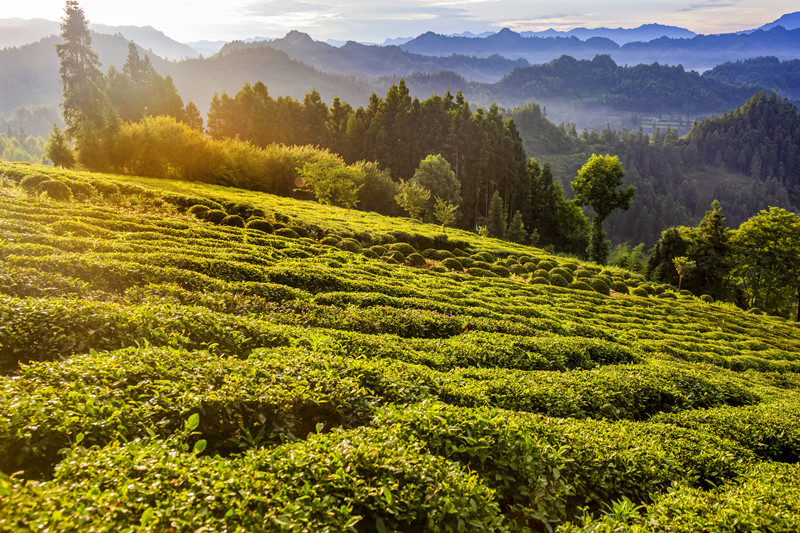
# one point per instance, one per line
(518, 270)
(481, 273)
(558, 281)
(639, 291)
(466, 261)
(288, 233)
(439, 255)
(369, 254)
(501, 271)
(539, 281)
(349, 245)
(397, 256)
(300, 231)
(31, 183)
(330, 240)
(403, 248)
(260, 224)
(600, 286)
(81, 189)
(232, 220)
(581, 286)
(215, 216)
(438, 268)
(379, 250)
(415, 260)
(563, 272)
(669, 295)
(57, 190)
(620, 287)
(197, 210)
(451, 263)
(583, 273)
(707, 298)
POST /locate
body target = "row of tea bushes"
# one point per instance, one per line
(428, 467)
(765, 498)
(242, 403)
(192, 376)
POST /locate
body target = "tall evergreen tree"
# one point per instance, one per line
(710, 250)
(91, 121)
(496, 220)
(82, 82)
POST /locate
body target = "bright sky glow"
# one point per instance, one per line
(376, 20)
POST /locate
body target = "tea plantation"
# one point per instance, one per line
(184, 357)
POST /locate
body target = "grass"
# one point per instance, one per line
(337, 370)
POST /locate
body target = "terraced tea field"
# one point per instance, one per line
(182, 357)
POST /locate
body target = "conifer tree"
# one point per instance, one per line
(91, 121)
(496, 221)
(81, 80)
(516, 230)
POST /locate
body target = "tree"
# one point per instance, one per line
(444, 212)
(412, 198)
(708, 247)
(516, 229)
(332, 181)
(684, 266)
(90, 118)
(767, 264)
(435, 174)
(82, 82)
(496, 221)
(58, 150)
(192, 118)
(597, 185)
(378, 191)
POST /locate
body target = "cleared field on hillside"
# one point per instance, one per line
(264, 364)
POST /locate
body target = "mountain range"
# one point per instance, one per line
(18, 32)
(588, 83)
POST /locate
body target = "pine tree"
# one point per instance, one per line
(58, 150)
(516, 230)
(91, 121)
(496, 221)
(84, 99)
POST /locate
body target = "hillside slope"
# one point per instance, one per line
(334, 370)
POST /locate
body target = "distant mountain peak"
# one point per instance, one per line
(295, 36)
(790, 21)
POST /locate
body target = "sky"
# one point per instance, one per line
(376, 20)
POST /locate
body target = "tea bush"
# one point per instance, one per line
(171, 373)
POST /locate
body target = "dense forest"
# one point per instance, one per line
(746, 159)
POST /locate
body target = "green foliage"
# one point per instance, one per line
(596, 185)
(496, 220)
(332, 181)
(444, 212)
(168, 372)
(435, 174)
(452, 263)
(768, 260)
(56, 190)
(232, 220)
(516, 229)
(58, 150)
(765, 499)
(412, 198)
